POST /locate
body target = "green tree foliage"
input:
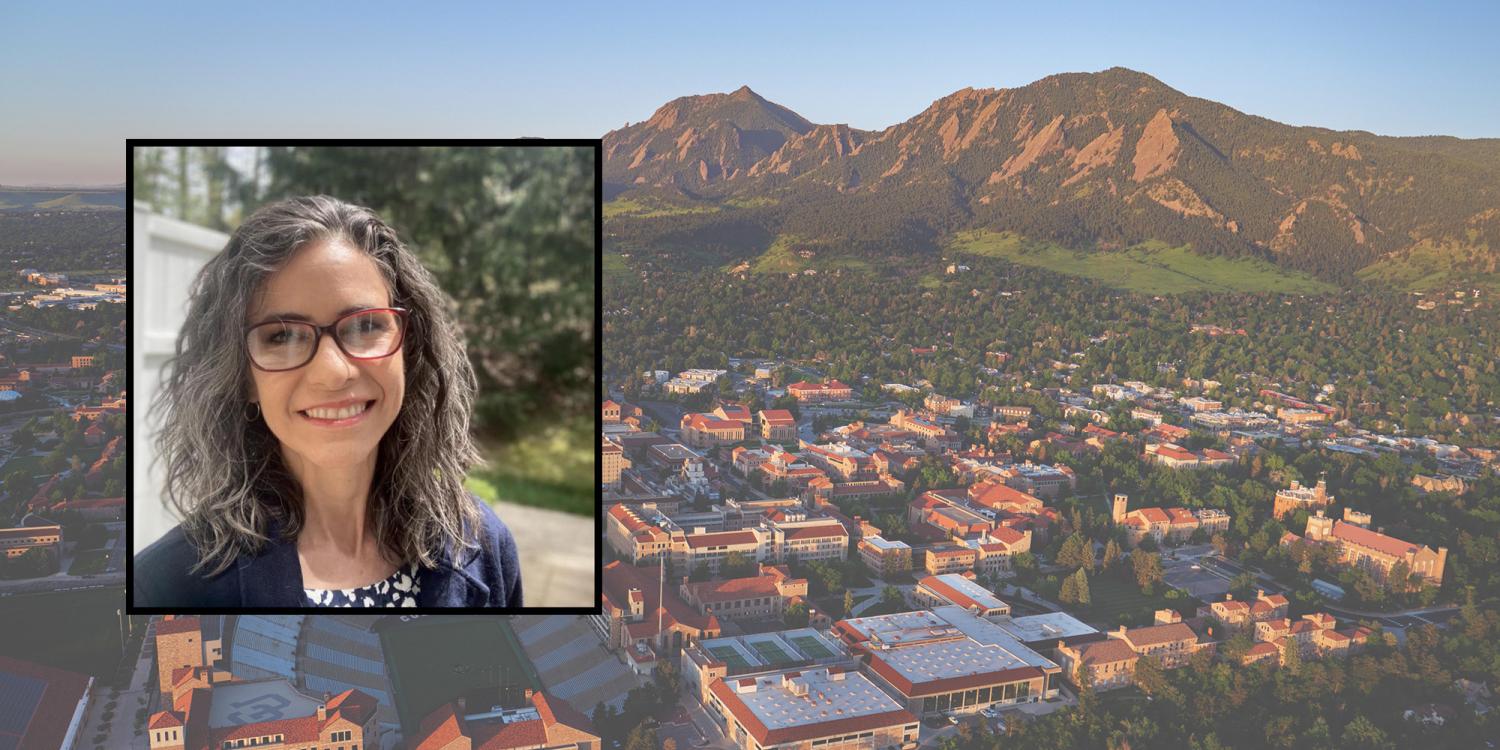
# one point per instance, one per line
(1146, 567)
(1111, 554)
(1077, 552)
(1075, 589)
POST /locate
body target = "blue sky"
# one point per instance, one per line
(81, 77)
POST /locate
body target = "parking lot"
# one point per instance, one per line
(1204, 582)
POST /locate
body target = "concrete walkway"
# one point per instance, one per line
(557, 554)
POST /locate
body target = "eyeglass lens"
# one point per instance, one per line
(283, 345)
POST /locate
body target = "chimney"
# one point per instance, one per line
(1260, 593)
(322, 712)
(1229, 597)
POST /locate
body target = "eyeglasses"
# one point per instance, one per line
(279, 345)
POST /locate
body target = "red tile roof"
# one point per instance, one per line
(733, 589)
(621, 577)
(1181, 515)
(1261, 648)
(179, 624)
(778, 417)
(1007, 535)
(1107, 651)
(1363, 537)
(165, 719)
(698, 541)
(1151, 515)
(1152, 635)
(820, 531)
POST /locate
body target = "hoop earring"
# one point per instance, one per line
(248, 417)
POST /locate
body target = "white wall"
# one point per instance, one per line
(167, 255)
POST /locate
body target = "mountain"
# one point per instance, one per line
(1097, 162)
(61, 198)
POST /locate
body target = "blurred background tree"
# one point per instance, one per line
(508, 232)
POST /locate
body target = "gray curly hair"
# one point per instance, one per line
(225, 477)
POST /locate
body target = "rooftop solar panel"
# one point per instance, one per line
(19, 696)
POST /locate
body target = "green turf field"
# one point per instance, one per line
(729, 655)
(810, 646)
(435, 659)
(773, 653)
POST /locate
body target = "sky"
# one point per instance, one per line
(81, 77)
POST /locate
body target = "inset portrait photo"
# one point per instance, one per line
(368, 376)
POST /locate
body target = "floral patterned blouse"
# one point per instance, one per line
(399, 590)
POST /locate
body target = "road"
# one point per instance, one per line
(1396, 620)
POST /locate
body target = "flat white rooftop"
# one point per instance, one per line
(883, 543)
(236, 703)
(825, 697)
(948, 642)
(1050, 626)
(981, 595)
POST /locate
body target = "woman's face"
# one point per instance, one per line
(332, 411)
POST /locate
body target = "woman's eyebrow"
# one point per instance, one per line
(275, 316)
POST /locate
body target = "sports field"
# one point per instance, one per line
(810, 646)
(435, 659)
(772, 653)
(729, 655)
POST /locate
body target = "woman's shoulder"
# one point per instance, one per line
(497, 559)
(162, 574)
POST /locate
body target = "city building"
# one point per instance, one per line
(883, 557)
(1165, 525)
(1014, 412)
(1041, 633)
(934, 436)
(954, 589)
(1111, 663)
(1041, 480)
(1199, 403)
(207, 717)
(43, 707)
(1175, 456)
(632, 537)
(1297, 497)
(949, 558)
(778, 426)
(832, 707)
(1102, 665)
(1241, 615)
(18, 541)
(762, 596)
(1313, 635)
(643, 617)
(707, 431)
(832, 390)
(180, 645)
(1373, 551)
(611, 412)
(614, 463)
(544, 722)
(948, 660)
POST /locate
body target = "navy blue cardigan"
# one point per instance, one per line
(489, 576)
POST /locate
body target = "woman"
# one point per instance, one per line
(315, 430)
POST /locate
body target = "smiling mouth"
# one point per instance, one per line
(343, 414)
